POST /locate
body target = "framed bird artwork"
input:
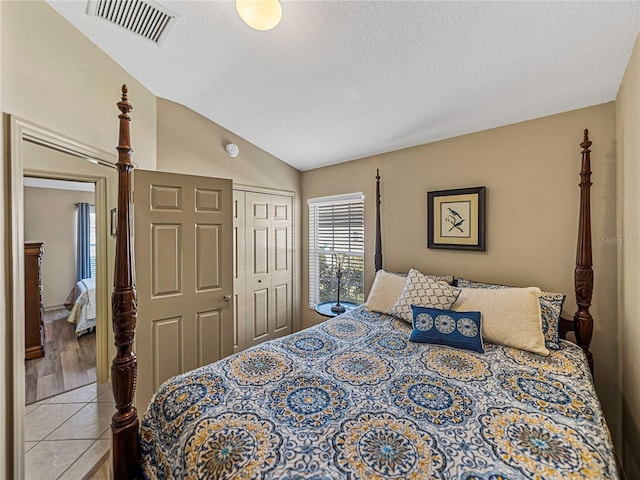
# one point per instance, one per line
(456, 219)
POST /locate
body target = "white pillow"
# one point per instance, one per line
(424, 291)
(385, 291)
(510, 316)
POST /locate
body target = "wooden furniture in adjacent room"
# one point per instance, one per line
(33, 309)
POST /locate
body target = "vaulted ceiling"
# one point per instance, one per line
(338, 80)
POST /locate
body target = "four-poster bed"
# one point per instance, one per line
(353, 398)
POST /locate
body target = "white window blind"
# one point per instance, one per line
(336, 235)
(92, 239)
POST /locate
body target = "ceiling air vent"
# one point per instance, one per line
(143, 17)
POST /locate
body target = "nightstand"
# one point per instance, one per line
(324, 308)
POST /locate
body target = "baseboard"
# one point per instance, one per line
(54, 307)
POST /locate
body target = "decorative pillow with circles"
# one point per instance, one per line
(423, 291)
(445, 327)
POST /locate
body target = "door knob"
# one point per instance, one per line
(227, 297)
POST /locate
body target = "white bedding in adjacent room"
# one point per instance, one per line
(82, 304)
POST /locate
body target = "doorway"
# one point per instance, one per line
(38, 152)
(60, 286)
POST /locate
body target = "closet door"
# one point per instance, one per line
(268, 279)
(239, 268)
(282, 273)
(258, 280)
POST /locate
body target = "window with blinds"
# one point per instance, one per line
(92, 239)
(336, 237)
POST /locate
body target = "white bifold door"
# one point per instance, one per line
(263, 269)
(183, 261)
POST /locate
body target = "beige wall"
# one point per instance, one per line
(50, 216)
(531, 171)
(54, 76)
(189, 143)
(628, 249)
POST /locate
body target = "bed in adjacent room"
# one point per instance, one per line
(431, 378)
(81, 303)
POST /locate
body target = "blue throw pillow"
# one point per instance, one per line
(445, 327)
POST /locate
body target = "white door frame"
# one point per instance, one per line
(25, 131)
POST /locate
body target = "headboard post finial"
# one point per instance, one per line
(124, 140)
(586, 143)
(583, 277)
(378, 247)
(124, 105)
(124, 368)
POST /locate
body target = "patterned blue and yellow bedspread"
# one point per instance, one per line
(352, 398)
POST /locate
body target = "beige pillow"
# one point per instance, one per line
(385, 291)
(510, 316)
(423, 291)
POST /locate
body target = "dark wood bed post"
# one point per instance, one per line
(378, 249)
(583, 278)
(124, 424)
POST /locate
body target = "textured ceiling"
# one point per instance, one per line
(338, 80)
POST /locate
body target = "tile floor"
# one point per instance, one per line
(66, 435)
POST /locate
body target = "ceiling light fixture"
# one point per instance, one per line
(260, 14)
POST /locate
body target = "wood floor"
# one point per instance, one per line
(68, 363)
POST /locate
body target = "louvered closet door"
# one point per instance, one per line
(183, 253)
(268, 280)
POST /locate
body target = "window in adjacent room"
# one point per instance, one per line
(336, 235)
(92, 240)
(85, 241)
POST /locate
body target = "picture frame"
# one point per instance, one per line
(114, 222)
(456, 219)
